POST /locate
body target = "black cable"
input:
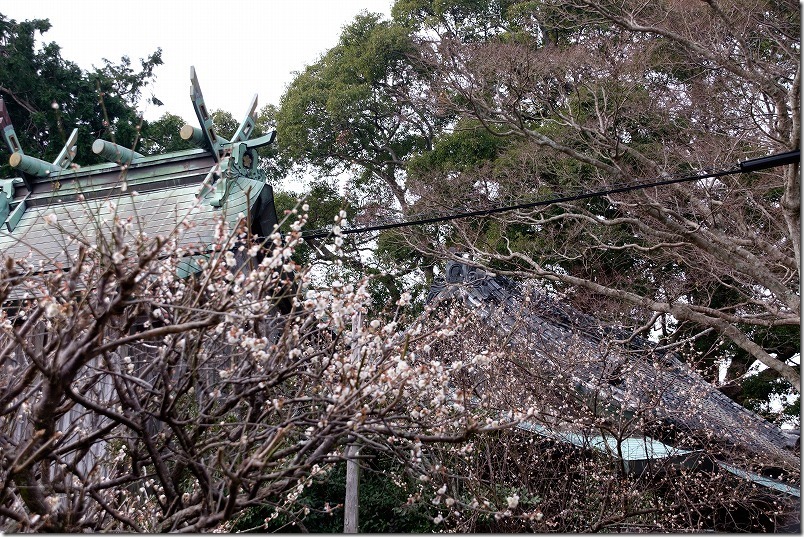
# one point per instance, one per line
(747, 166)
(771, 161)
(323, 233)
(316, 234)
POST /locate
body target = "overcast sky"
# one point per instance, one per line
(238, 47)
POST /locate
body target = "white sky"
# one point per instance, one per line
(238, 47)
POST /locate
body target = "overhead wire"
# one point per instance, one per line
(747, 166)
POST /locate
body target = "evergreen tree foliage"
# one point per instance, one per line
(527, 100)
(47, 96)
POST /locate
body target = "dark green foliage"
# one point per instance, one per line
(47, 96)
(472, 20)
(341, 110)
(383, 506)
(758, 390)
(468, 145)
(273, 161)
(350, 115)
(162, 136)
(324, 204)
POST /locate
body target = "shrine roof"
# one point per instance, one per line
(155, 194)
(633, 378)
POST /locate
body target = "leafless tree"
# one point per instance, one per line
(594, 95)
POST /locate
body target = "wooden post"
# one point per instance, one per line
(351, 504)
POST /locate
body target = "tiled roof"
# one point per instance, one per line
(631, 376)
(50, 208)
(157, 195)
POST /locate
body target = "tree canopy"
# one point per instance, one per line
(526, 100)
(49, 96)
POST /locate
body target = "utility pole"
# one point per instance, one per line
(351, 503)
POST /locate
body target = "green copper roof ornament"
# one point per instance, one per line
(115, 153)
(9, 135)
(28, 167)
(7, 197)
(237, 173)
(204, 118)
(31, 165)
(236, 184)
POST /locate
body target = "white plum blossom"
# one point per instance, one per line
(513, 501)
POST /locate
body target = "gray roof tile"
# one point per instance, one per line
(579, 346)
